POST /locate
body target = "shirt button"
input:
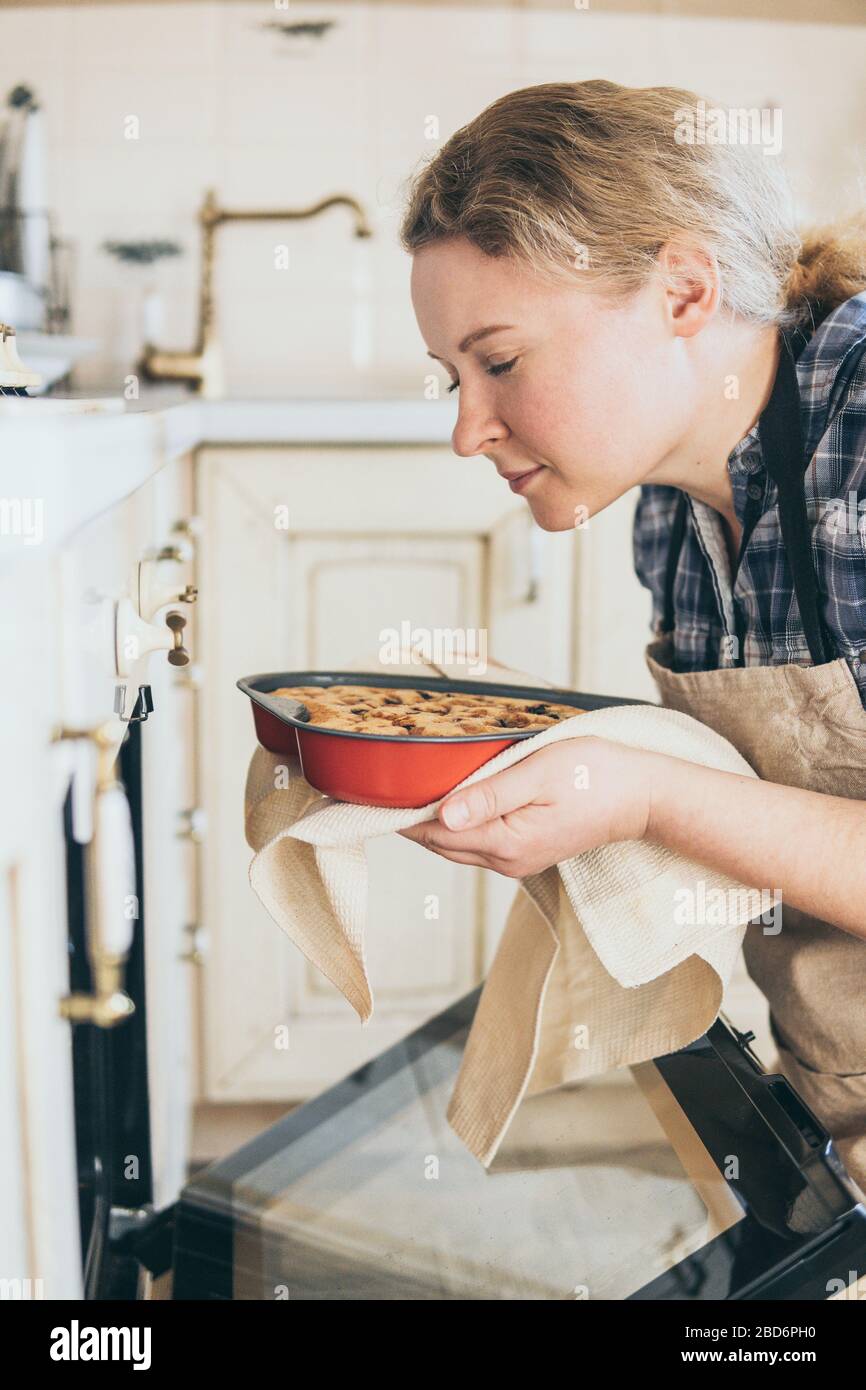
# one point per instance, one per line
(755, 490)
(861, 656)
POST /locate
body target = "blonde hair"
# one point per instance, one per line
(590, 180)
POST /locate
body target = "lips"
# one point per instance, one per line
(516, 481)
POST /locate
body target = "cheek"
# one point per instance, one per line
(596, 418)
(571, 417)
(608, 431)
(594, 443)
(597, 452)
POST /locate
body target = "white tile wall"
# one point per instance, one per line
(225, 100)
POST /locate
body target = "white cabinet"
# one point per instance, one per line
(310, 555)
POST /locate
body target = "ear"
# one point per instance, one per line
(691, 285)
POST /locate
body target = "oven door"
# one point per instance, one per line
(622, 1187)
(110, 1073)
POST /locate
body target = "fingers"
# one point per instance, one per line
(483, 846)
(491, 798)
(476, 861)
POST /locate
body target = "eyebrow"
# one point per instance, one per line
(474, 337)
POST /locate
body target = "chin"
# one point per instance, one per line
(551, 504)
(552, 518)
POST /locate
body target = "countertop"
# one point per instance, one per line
(72, 467)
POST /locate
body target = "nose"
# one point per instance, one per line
(478, 428)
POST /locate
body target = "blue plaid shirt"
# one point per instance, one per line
(831, 370)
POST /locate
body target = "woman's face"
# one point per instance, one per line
(598, 391)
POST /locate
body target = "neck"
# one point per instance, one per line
(734, 370)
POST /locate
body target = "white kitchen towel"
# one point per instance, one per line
(615, 956)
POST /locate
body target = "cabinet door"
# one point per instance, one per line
(309, 557)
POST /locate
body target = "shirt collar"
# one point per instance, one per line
(746, 456)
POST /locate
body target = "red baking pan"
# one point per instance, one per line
(388, 769)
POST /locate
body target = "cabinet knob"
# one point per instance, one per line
(178, 654)
(193, 825)
(135, 639)
(185, 533)
(196, 951)
(160, 581)
(179, 554)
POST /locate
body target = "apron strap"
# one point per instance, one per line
(781, 434)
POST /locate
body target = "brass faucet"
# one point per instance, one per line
(202, 369)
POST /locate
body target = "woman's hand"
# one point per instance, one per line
(558, 802)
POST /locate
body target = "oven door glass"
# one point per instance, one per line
(600, 1190)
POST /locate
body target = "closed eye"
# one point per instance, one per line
(497, 370)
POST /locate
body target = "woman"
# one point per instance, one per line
(621, 308)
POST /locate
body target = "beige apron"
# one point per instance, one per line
(800, 726)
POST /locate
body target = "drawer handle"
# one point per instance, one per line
(110, 891)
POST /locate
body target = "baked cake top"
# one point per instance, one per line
(367, 709)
